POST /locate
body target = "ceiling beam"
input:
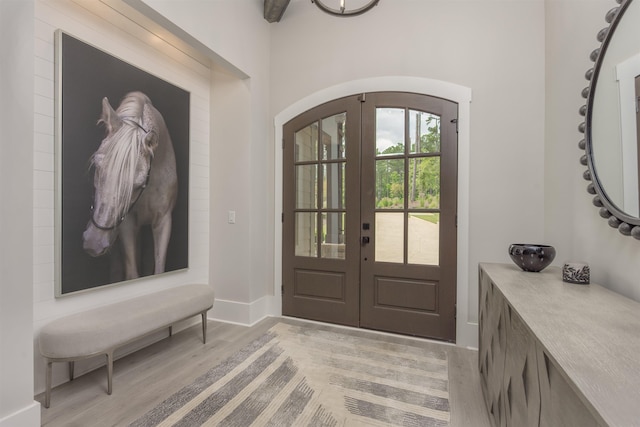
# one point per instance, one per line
(274, 9)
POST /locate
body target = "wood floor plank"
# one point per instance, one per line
(145, 378)
(465, 392)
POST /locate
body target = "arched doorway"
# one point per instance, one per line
(369, 233)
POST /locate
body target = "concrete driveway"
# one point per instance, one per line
(423, 242)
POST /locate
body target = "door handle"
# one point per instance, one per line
(365, 240)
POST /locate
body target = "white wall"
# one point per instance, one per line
(102, 27)
(241, 156)
(17, 407)
(573, 221)
(495, 48)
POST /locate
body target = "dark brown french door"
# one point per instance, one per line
(369, 211)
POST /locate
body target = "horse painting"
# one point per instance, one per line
(135, 183)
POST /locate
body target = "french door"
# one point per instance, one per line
(369, 214)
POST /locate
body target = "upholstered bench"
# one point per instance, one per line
(103, 329)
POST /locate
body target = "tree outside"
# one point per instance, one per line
(423, 182)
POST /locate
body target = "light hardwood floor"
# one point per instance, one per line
(145, 378)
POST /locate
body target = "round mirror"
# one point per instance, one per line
(612, 130)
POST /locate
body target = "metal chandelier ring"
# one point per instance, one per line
(343, 12)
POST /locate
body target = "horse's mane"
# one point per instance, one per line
(122, 151)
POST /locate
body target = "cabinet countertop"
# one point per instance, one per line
(590, 333)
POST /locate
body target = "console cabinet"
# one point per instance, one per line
(508, 362)
(556, 354)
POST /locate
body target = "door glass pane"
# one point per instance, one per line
(424, 183)
(389, 131)
(333, 235)
(390, 184)
(306, 186)
(389, 237)
(306, 148)
(333, 189)
(333, 137)
(305, 234)
(424, 132)
(424, 239)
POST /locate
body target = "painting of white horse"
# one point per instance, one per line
(135, 182)
(123, 170)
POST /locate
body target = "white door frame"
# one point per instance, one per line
(466, 331)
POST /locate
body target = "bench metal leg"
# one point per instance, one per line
(109, 372)
(47, 393)
(204, 327)
(71, 366)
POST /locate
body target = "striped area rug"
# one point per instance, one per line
(304, 376)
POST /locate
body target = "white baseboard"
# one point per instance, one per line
(467, 335)
(29, 416)
(243, 313)
(247, 314)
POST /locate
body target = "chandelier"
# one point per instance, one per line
(341, 9)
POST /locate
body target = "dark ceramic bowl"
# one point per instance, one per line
(531, 257)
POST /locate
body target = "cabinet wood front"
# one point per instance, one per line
(522, 387)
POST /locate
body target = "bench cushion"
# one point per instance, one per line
(100, 329)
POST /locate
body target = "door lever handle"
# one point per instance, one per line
(365, 240)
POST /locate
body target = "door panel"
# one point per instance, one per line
(369, 206)
(319, 284)
(409, 181)
(406, 294)
(321, 213)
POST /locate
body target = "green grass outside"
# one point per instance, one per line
(431, 217)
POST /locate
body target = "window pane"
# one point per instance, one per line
(424, 239)
(333, 235)
(389, 237)
(424, 183)
(307, 143)
(389, 131)
(390, 184)
(424, 132)
(333, 137)
(306, 232)
(333, 189)
(306, 186)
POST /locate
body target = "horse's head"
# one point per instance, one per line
(122, 166)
